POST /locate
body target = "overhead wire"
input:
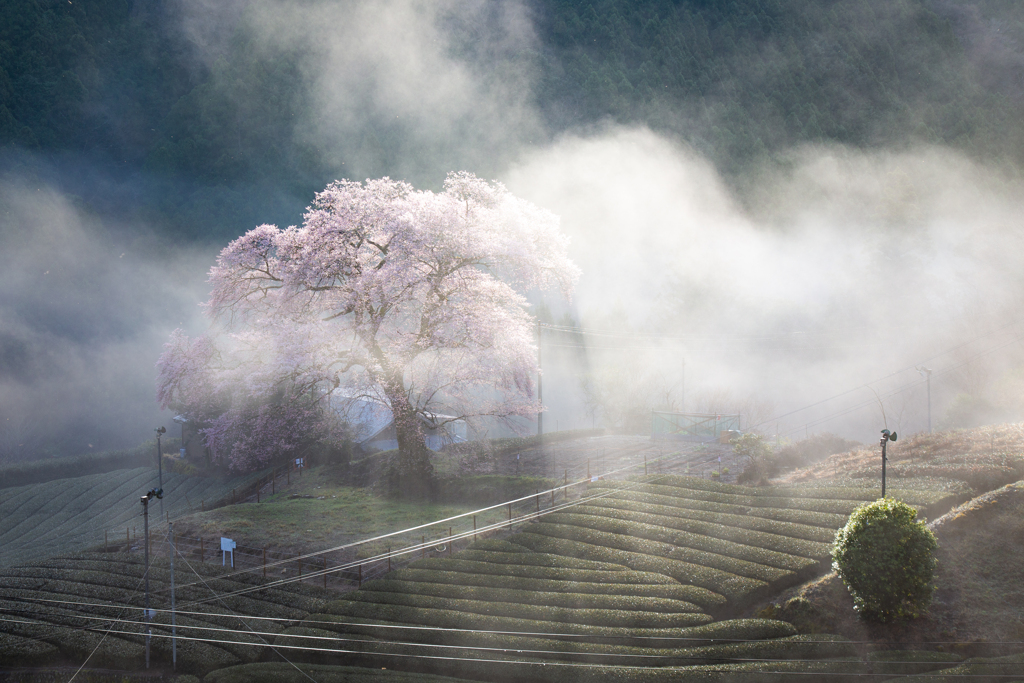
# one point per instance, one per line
(192, 569)
(719, 659)
(421, 546)
(525, 634)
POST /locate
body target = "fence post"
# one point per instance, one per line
(510, 515)
(325, 572)
(474, 528)
(127, 540)
(423, 547)
(552, 498)
(360, 575)
(389, 559)
(300, 567)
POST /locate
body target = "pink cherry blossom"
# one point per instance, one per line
(412, 297)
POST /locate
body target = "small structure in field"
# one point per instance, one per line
(694, 426)
(373, 425)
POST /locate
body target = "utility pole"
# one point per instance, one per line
(927, 374)
(682, 390)
(159, 494)
(160, 431)
(174, 620)
(887, 436)
(540, 386)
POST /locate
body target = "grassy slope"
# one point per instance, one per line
(965, 461)
(315, 510)
(979, 596)
(979, 584)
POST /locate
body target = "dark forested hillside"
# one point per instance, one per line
(744, 77)
(118, 80)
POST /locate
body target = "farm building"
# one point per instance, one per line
(374, 429)
(694, 426)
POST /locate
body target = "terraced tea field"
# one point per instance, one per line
(642, 580)
(40, 520)
(640, 574)
(59, 609)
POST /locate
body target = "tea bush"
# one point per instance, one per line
(886, 558)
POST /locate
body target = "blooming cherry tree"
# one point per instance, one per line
(409, 297)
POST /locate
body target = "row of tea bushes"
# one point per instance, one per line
(63, 606)
(529, 572)
(67, 515)
(533, 596)
(677, 498)
(754, 550)
(465, 579)
(722, 528)
(632, 617)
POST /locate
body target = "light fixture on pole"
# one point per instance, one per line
(160, 431)
(887, 436)
(159, 494)
(927, 374)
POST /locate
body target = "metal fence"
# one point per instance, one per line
(695, 426)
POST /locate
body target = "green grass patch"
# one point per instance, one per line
(306, 515)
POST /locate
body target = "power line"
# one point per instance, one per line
(719, 659)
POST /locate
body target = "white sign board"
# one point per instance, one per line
(227, 546)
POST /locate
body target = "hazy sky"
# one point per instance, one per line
(831, 269)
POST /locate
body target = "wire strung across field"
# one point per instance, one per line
(520, 519)
(462, 535)
(720, 659)
(898, 390)
(414, 548)
(412, 627)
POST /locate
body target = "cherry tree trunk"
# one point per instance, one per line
(414, 475)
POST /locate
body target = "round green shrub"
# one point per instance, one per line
(886, 558)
